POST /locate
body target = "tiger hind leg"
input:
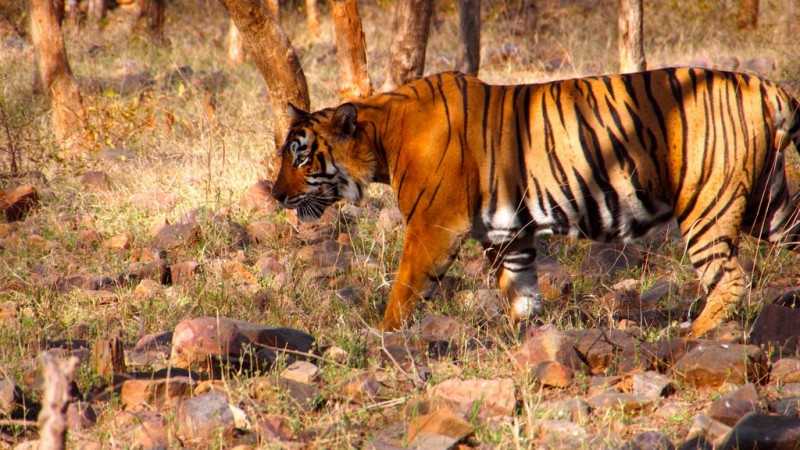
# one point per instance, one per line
(515, 266)
(712, 246)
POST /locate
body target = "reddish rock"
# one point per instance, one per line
(731, 407)
(259, 198)
(607, 258)
(360, 388)
(552, 374)
(441, 428)
(554, 281)
(273, 428)
(170, 237)
(326, 254)
(205, 417)
(184, 273)
(619, 400)
(264, 231)
(390, 219)
(155, 393)
(438, 328)
(17, 202)
(668, 351)
(121, 241)
(652, 385)
(151, 433)
(147, 290)
(548, 344)
(494, 398)
(80, 416)
(614, 349)
(301, 372)
(712, 364)
(785, 370)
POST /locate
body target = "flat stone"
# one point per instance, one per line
(440, 429)
(763, 432)
(652, 385)
(619, 400)
(785, 370)
(669, 351)
(731, 407)
(170, 237)
(612, 349)
(548, 344)
(155, 393)
(438, 328)
(712, 364)
(552, 374)
(493, 398)
(301, 372)
(17, 202)
(205, 417)
(776, 325)
(649, 440)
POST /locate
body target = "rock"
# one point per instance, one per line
(258, 198)
(80, 416)
(729, 408)
(8, 312)
(121, 241)
(612, 349)
(619, 400)
(205, 417)
(763, 432)
(154, 392)
(304, 394)
(608, 258)
(272, 428)
(352, 295)
(487, 302)
(10, 397)
(669, 351)
(711, 364)
(327, 254)
(301, 372)
(552, 374)
(151, 350)
(196, 340)
(96, 181)
(360, 388)
(108, 357)
(151, 433)
(652, 385)
(649, 440)
(88, 239)
(786, 406)
(269, 267)
(16, 203)
(336, 354)
(389, 219)
(553, 280)
(437, 328)
(264, 231)
(184, 273)
(548, 344)
(440, 429)
(170, 237)
(560, 433)
(147, 290)
(776, 325)
(574, 409)
(708, 428)
(600, 384)
(785, 370)
(495, 398)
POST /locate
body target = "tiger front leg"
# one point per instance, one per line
(517, 279)
(427, 254)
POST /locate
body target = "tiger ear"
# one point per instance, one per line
(295, 114)
(344, 119)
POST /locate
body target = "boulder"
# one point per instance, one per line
(612, 349)
(552, 374)
(17, 202)
(785, 370)
(763, 432)
(493, 398)
(548, 344)
(776, 325)
(440, 429)
(205, 417)
(154, 392)
(731, 407)
(712, 364)
(172, 236)
(652, 385)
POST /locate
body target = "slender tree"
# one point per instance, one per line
(350, 50)
(273, 55)
(469, 26)
(151, 13)
(411, 25)
(68, 115)
(747, 17)
(631, 42)
(312, 17)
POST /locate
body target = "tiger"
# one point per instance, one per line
(606, 158)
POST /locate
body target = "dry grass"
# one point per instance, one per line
(208, 161)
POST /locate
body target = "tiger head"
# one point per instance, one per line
(325, 158)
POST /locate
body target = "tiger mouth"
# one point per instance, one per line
(312, 209)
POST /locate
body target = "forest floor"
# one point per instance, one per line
(165, 222)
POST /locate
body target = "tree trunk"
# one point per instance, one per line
(469, 27)
(631, 41)
(96, 10)
(274, 7)
(748, 14)
(68, 116)
(151, 12)
(270, 49)
(58, 376)
(411, 25)
(350, 50)
(235, 45)
(312, 17)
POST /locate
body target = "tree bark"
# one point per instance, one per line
(747, 17)
(274, 7)
(469, 27)
(631, 36)
(350, 50)
(270, 49)
(58, 376)
(235, 45)
(411, 25)
(151, 12)
(312, 17)
(68, 116)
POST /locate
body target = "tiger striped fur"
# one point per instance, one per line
(604, 157)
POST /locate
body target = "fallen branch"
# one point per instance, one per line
(58, 375)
